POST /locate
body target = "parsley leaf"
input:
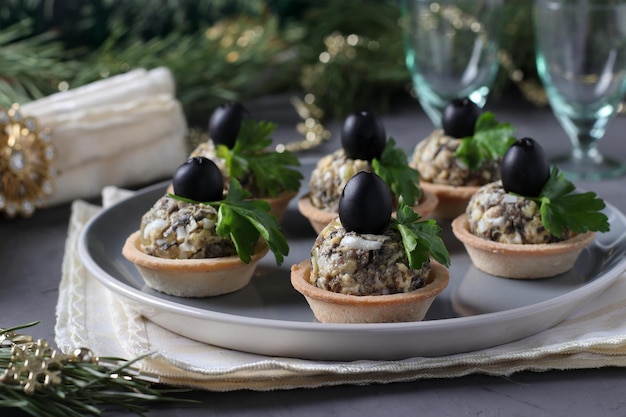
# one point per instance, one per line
(562, 209)
(489, 143)
(273, 172)
(244, 220)
(420, 238)
(395, 171)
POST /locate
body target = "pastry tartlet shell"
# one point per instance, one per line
(280, 203)
(520, 261)
(453, 199)
(320, 218)
(192, 277)
(331, 307)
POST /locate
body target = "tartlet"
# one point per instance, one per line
(452, 178)
(192, 277)
(193, 242)
(279, 204)
(451, 200)
(442, 174)
(331, 307)
(521, 261)
(360, 270)
(230, 125)
(530, 224)
(365, 148)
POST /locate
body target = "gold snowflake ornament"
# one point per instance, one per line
(34, 366)
(26, 164)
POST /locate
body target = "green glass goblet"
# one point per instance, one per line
(451, 50)
(581, 60)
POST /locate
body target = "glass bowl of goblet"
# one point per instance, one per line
(451, 50)
(581, 61)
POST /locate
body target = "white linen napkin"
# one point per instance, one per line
(88, 314)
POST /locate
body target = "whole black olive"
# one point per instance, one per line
(199, 179)
(225, 123)
(363, 136)
(525, 168)
(365, 204)
(459, 118)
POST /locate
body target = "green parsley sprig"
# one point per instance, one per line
(562, 209)
(490, 141)
(420, 237)
(244, 220)
(273, 172)
(393, 168)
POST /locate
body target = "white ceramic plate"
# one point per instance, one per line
(269, 317)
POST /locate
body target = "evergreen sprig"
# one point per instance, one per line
(32, 66)
(78, 42)
(85, 387)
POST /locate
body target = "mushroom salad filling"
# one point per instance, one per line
(363, 264)
(175, 229)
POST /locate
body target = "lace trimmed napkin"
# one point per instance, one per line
(88, 314)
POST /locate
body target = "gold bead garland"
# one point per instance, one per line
(311, 127)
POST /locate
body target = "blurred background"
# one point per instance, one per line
(346, 54)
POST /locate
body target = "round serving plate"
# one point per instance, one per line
(269, 317)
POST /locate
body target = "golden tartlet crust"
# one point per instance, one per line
(331, 307)
(522, 261)
(453, 199)
(192, 277)
(280, 203)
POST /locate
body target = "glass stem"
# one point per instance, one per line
(587, 148)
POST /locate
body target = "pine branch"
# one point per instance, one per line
(32, 66)
(42, 382)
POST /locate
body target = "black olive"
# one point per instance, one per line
(365, 204)
(525, 168)
(199, 179)
(459, 118)
(225, 123)
(363, 136)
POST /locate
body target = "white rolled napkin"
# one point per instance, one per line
(125, 130)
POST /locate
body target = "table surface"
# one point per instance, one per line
(31, 253)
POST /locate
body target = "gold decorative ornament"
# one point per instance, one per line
(33, 366)
(39, 380)
(314, 132)
(26, 164)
